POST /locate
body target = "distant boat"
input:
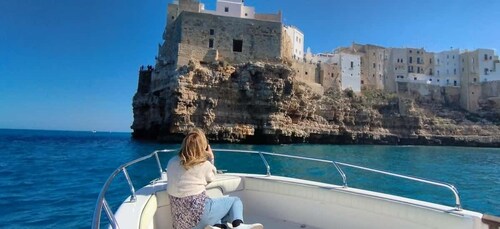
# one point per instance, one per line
(94, 131)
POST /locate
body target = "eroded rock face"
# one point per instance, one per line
(263, 103)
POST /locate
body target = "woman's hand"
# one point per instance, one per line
(210, 154)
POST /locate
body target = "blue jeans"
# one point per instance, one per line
(220, 211)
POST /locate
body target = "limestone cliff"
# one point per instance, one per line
(265, 103)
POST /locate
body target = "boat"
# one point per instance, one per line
(280, 202)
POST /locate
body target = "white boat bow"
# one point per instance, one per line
(285, 203)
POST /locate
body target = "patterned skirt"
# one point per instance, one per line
(187, 211)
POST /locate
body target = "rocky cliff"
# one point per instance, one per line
(265, 103)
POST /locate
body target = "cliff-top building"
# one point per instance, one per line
(232, 33)
(297, 41)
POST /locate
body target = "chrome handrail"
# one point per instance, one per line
(101, 200)
(458, 204)
(102, 203)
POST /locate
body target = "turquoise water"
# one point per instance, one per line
(52, 178)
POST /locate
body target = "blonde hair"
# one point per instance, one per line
(193, 149)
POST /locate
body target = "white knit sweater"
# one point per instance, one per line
(182, 182)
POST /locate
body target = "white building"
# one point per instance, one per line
(349, 71)
(297, 38)
(489, 65)
(447, 68)
(233, 8)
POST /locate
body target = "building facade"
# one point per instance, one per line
(447, 68)
(478, 67)
(348, 67)
(297, 42)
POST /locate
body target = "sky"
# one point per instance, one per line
(73, 64)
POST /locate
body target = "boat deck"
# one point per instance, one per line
(269, 222)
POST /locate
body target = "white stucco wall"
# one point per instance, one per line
(297, 38)
(487, 70)
(235, 8)
(447, 67)
(350, 71)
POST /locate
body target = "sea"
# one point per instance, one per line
(51, 179)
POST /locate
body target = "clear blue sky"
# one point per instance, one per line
(73, 64)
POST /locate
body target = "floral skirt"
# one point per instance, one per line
(187, 211)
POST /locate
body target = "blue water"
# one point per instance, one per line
(52, 178)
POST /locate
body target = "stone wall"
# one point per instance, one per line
(269, 17)
(490, 89)
(428, 93)
(237, 40)
(144, 85)
(196, 53)
(306, 71)
(330, 76)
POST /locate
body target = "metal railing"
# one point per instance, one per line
(102, 203)
(101, 200)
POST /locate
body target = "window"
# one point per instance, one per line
(430, 60)
(463, 69)
(438, 80)
(237, 46)
(246, 15)
(430, 79)
(352, 64)
(373, 75)
(374, 65)
(411, 60)
(212, 32)
(475, 80)
(362, 82)
(491, 57)
(418, 60)
(211, 43)
(226, 9)
(454, 71)
(173, 17)
(438, 72)
(486, 71)
(455, 83)
(414, 78)
(485, 56)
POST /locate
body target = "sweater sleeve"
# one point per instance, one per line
(210, 173)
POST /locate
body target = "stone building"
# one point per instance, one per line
(397, 68)
(408, 65)
(479, 67)
(345, 66)
(195, 34)
(373, 61)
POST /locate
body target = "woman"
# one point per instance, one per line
(188, 174)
